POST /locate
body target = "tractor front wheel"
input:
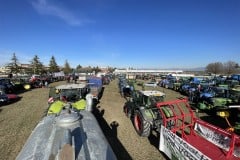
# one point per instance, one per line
(142, 127)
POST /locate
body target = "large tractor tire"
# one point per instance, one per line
(142, 127)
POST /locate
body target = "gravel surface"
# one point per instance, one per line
(18, 119)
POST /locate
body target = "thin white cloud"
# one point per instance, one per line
(43, 7)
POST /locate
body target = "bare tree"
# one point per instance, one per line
(215, 68)
(230, 67)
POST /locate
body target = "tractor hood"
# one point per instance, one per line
(221, 102)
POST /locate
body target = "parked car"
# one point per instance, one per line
(6, 98)
(6, 85)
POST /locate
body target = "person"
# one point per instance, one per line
(68, 79)
(46, 84)
(40, 83)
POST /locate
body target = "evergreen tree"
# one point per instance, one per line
(13, 65)
(67, 69)
(53, 67)
(96, 69)
(37, 66)
(78, 68)
(111, 69)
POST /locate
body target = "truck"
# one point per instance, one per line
(95, 85)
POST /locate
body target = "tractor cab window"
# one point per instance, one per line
(155, 99)
(139, 98)
(70, 94)
(146, 100)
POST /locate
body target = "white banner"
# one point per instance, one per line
(216, 138)
(177, 148)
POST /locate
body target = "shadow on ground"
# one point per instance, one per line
(154, 136)
(110, 132)
(101, 93)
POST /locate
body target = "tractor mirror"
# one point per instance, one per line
(223, 114)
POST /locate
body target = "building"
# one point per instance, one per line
(147, 71)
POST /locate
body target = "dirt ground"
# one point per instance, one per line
(120, 131)
(18, 119)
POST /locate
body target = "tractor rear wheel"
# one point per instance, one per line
(142, 127)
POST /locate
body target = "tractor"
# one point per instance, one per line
(232, 113)
(143, 111)
(214, 99)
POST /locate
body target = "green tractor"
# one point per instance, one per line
(143, 111)
(214, 99)
(232, 113)
(234, 94)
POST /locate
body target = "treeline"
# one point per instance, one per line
(226, 68)
(37, 67)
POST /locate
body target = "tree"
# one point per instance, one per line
(237, 66)
(111, 69)
(13, 65)
(230, 67)
(37, 66)
(53, 67)
(67, 69)
(96, 69)
(78, 68)
(215, 68)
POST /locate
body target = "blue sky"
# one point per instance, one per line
(121, 33)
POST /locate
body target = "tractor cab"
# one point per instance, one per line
(148, 98)
(77, 95)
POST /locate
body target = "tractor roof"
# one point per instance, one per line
(152, 93)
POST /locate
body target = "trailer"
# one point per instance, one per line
(188, 137)
(181, 134)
